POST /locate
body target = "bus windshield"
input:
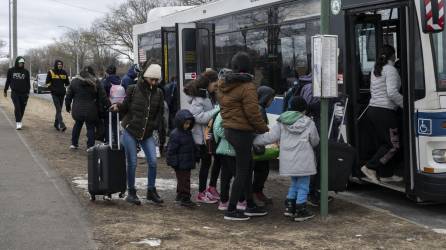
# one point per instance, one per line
(439, 40)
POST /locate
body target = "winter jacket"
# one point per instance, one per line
(182, 154)
(384, 89)
(224, 147)
(84, 98)
(110, 80)
(142, 109)
(18, 79)
(298, 136)
(265, 94)
(238, 100)
(203, 112)
(58, 80)
(130, 77)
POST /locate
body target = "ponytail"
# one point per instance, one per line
(384, 56)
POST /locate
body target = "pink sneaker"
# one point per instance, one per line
(223, 206)
(213, 191)
(241, 205)
(203, 197)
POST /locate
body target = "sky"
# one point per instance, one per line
(38, 19)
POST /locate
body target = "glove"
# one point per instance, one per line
(5, 94)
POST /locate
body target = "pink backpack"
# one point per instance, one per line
(117, 94)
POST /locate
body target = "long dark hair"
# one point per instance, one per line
(198, 87)
(386, 53)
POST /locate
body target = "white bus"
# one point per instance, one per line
(277, 34)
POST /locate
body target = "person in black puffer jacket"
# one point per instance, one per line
(182, 155)
(57, 79)
(142, 111)
(87, 95)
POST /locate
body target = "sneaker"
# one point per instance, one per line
(255, 211)
(241, 205)
(369, 173)
(302, 214)
(204, 198)
(62, 128)
(158, 153)
(74, 147)
(223, 206)
(18, 126)
(236, 216)
(213, 191)
(186, 202)
(141, 154)
(393, 178)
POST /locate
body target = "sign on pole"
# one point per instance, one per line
(325, 65)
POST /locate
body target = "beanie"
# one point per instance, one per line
(153, 71)
(298, 103)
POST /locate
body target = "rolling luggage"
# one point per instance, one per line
(341, 158)
(107, 168)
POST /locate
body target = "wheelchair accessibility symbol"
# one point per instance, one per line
(424, 126)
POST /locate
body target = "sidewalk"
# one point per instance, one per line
(37, 208)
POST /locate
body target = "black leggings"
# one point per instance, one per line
(215, 171)
(242, 143)
(19, 101)
(206, 160)
(227, 173)
(261, 172)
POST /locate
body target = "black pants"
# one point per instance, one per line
(384, 124)
(227, 173)
(206, 160)
(242, 143)
(19, 101)
(114, 123)
(77, 128)
(215, 171)
(183, 183)
(58, 104)
(261, 172)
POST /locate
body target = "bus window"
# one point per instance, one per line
(420, 86)
(172, 55)
(150, 43)
(365, 52)
(299, 9)
(226, 45)
(440, 56)
(204, 46)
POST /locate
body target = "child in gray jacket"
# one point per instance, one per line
(297, 135)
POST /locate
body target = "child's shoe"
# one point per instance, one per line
(290, 207)
(186, 202)
(302, 213)
(255, 211)
(223, 206)
(204, 197)
(241, 205)
(213, 191)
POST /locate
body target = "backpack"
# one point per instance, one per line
(293, 91)
(117, 94)
(209, 139)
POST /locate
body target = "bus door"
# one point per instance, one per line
(169, 54)
(369, 30)
(195, 53)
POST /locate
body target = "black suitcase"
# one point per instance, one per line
(107, 168)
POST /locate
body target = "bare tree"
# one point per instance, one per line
(196, 2)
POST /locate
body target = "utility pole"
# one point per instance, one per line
(9, 29)
(325, 29)
(14, 29)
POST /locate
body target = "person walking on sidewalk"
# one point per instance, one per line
(142, 110)
(57, 80)
(237, 95)
(116, 94)
(84, 97)
(18, 80)
(182, 155)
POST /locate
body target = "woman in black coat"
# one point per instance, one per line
(84, 97)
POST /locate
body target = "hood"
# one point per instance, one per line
(55, 64)
(133, 71)
(113, 79)
(265, 94)
(87, 78)
(17, 61)
(231, 80)
(294, 121)
(181, 117)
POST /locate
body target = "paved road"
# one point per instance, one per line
(37, 207)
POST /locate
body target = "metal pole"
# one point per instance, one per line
(77, 62)
(325, 23)
(14, 29)
(10, 38)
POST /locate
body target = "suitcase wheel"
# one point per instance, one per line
(121, 195)
(107, 197)
(92, 197)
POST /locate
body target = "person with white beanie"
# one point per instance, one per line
(142, 111)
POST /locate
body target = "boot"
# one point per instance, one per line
(56, 125)
(152, 195)
(290, 207)
(132, 197)
(302, 213)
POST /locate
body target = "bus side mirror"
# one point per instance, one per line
(432, 15)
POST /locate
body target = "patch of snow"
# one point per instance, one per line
(358, 235)
(439, 230)
(207, 228)
(153, 242)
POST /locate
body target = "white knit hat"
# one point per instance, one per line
(153, 71)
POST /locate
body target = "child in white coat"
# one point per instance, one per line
(297, 135)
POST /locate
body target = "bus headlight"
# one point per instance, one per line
(439, 155)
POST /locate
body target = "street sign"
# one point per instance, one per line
(325, 65)
(190, 76)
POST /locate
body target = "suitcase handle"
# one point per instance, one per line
(110, 134)
(344, 111)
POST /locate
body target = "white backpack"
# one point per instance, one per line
(117, 94)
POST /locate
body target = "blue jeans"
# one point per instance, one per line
(299, 188)
(149, 147)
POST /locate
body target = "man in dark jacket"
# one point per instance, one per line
(57, 80)
(86, 94)
(131, 77)
(19, 81)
